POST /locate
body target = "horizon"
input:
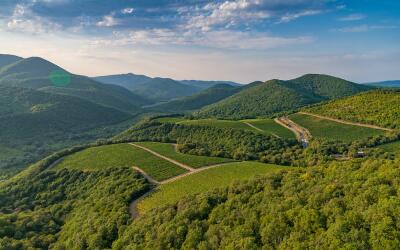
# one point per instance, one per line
(245, 40)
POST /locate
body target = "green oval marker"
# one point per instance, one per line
(60, 78)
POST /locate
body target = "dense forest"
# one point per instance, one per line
(378, 107)
(353, 205)
(68, 209)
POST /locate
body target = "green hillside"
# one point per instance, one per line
(262, 99)
(36, 123)
(379, 107)
(163, 89)
(37, 73)
(199, 100)
(342, 206)
(331, 130)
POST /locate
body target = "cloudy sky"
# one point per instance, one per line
(239, 40)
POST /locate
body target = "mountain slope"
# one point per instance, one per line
(8, 59)
(37, 73)
(163, 89)
(128, 81)
(377, 107)
(329, 87)
(199, 100)
(36, 122)
(208, 84)
(259, 99)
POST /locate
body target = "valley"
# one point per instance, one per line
(263, 155)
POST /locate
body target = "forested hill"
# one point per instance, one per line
(40, 74)
(35, 123)
(199, 100)
(377, 107)
(276, 96)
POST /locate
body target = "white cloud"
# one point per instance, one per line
(292, 16)
(108, 21)
(127, 11)
(352, 17)
(212, 39)
(24, 20)
(228, 13)
(364, 28)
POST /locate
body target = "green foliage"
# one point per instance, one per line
(121, 155)
(199, 100)
(194, 161)
(275, 96)
(343, 206)
(204, 181)
(219, 142)
(67, 209)
(270, 127)
(331, 130)
(219, 124)
(379, 107)
(37, 123)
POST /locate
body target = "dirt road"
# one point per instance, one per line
(346, 122)
(258, 129)
(302, 134)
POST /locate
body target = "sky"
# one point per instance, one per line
(237, 40)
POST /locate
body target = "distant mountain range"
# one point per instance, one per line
(208, 96)
(392, 84)
(159, 89)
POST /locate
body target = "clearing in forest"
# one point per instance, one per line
(331, 130)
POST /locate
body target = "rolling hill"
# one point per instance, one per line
(163, 89)
(377, 107)
(128, 81)
(35, 123)
(274, 96)
(199, 100)
(38, 73)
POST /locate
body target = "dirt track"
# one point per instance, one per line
(346, 122)
(133, 205)
(302, 134)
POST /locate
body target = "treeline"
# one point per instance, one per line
(68, 209)
(346, 205)
(378, 107)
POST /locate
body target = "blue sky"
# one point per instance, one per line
(240, 40)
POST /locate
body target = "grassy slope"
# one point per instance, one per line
(393, 147)
(219, 124)
(195, 161)
(380, 107)
(205, 181)
(271, 127)
(326, 129)
(121, 155)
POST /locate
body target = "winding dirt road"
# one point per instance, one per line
(302, 134)
(133, 205)
(346, 122)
